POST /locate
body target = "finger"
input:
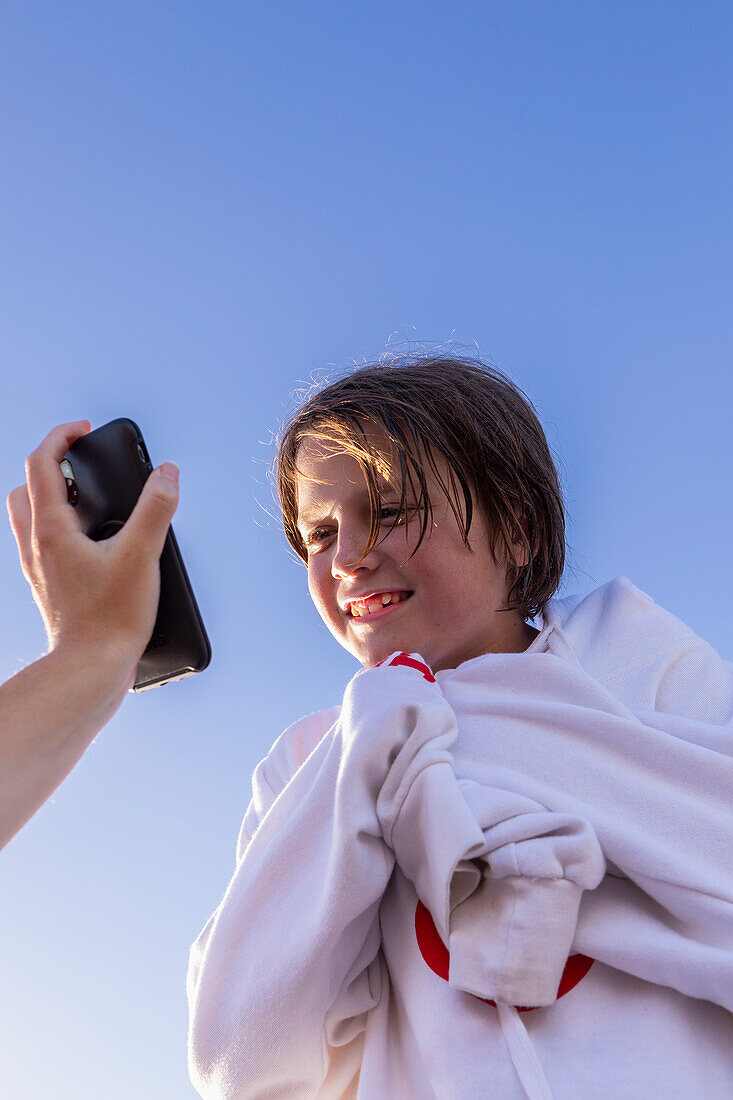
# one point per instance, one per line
(46, 483)
(147, 526)
(19, 513)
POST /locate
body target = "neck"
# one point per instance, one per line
(516, 639)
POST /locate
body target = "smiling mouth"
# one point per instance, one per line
(375, 607)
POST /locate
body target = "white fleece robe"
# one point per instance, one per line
(550, 829)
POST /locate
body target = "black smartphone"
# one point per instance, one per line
(105, 471)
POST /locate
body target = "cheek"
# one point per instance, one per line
(320, 589)
(314, 585)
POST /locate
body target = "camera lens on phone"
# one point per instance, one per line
(144, 455)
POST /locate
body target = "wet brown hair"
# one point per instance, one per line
(473, 416)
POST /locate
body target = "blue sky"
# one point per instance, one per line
(204, 206)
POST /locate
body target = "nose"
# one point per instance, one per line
(347, 560)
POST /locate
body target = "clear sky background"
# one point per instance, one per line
(204, 205)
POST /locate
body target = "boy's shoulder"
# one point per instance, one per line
(294, 745)
(647, 656)
(275, 770)
(617, 627)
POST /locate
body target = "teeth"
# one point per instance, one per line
(374, 603)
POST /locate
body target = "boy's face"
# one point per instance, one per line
(448, 596)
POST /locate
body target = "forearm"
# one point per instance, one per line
(49, 714)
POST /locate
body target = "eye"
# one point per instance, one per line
(318, 534)
(392, 511)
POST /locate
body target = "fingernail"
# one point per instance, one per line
(169, 469)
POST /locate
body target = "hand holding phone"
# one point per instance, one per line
(95, 568)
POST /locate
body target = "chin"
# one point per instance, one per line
(398, 647)
(373, 658)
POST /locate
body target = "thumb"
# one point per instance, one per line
(150, 519)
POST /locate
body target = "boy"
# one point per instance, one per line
(502, 867)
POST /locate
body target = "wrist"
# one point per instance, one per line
(102, 667)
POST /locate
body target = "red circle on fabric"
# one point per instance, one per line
(436, 955)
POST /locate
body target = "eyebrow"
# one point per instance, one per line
(321, 511)
(309, 514)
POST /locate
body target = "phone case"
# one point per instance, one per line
(105, 471)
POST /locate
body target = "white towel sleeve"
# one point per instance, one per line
(501, 875)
